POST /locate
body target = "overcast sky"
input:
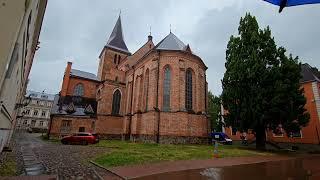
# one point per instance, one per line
(77, 30)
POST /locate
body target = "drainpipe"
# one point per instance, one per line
(49, 130)
(131, 102)
(157, 100)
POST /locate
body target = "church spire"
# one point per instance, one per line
(116, 38)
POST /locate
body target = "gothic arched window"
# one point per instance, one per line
(115, 59)
(146, 89)
(188, 89)
(119, 58)
(116, 102)
(78, 90)
(166, 89)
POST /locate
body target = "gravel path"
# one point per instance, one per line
(66, 161)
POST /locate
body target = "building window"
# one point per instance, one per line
(27, 112)
(82, 129)
(188, 89)
(33, 95)
(43, 113)
(41, 123)
(33, 123)
(35, 112)
(166, 89)
(116, 102)
(38, 102)
(65, 126)
(78, 90)
(119, 58)
(115, 59)
(25, 122)
(146, 89)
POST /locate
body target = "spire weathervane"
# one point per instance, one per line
(150, 31)
(170, 28)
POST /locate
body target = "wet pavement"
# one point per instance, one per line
(302, 168)
(64, 161)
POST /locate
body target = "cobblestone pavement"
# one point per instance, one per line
(66, 161)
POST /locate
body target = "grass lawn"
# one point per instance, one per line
(9, 167)
(129, 153)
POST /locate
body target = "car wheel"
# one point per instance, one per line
(84, 142)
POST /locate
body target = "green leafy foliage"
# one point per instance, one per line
(261, 84)
(214, 107)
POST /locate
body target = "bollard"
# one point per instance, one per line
(215, 151)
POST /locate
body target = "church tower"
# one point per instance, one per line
(113, 53)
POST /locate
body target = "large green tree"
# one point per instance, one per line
(214, 107)
(261, 87)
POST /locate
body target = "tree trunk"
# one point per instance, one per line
(260, 138)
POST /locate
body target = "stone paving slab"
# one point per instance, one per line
(42, 177)
(65, 161)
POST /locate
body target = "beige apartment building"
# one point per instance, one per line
(36, 115)
(20, 22)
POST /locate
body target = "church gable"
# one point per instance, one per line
(143, 50)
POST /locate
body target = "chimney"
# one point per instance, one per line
(66, 79)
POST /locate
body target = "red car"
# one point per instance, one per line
(81, 138)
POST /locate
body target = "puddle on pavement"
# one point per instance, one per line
(296, 169)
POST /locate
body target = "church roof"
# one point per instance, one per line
(83, 74)
(307, 74)
(171, 42)
(116, 38)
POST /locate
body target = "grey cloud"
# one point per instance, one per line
(77, 30)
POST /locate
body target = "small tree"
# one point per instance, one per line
(214, 107)
(261, 84)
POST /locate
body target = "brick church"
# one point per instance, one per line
(156, 94)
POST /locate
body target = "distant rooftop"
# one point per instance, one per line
(83, 74)
(171, 42)
(308, 73)
(40, 95)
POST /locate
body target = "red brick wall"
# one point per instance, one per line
(179, 63)
(183, 124)
(69, 84)
(107, 68)
(110, 125)
(174, 124)
(89, 87)
(106, 97)
(309, 133)
(76, 122)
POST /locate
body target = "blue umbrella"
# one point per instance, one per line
(288, 3)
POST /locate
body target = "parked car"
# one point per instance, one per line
(221, 138)
(81, 138)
